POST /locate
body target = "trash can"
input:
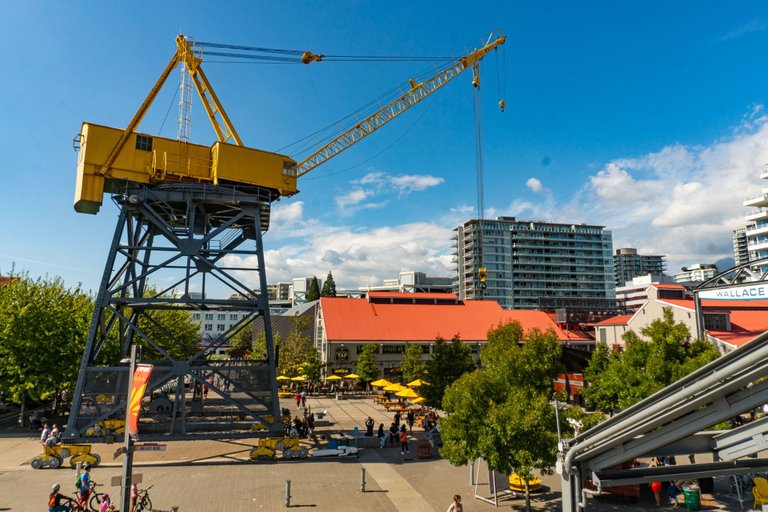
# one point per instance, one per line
(344, 441)
(333, 444)
(692, 496)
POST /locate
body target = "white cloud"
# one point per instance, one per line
(534, 184)
(681, 201)
(381, 184)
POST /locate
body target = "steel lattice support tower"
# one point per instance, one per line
(171, 243)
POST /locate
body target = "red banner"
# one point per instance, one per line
(140, 380)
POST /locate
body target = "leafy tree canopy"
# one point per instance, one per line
(412, 366)
(450, 361)
(293, 349)
(666, 354)
(366, 363)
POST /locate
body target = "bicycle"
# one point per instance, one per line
(142, 501)
(94, 503)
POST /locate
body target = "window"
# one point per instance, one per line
(221, 327)
(209, 316)
(208, 327)
(221, 317)
(196, 317)
(393, 349)
(143, 143)
(717, 322)
(234, 317)
(425, 349)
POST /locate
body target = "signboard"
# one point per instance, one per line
(149, 447)
(140, 379)
(758, 291)
(117, 481)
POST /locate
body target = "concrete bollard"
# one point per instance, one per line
(362, 479)
(287, 493)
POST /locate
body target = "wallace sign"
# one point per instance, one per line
(748, 292)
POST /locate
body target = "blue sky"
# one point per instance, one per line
(645, 117)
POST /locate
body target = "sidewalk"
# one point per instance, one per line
(216, 475)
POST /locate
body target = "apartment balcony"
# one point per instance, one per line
(757, 230)
(757, 200)
(764, 175)
(758, 245)
(759, 214)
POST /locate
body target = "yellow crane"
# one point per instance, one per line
(110, 156)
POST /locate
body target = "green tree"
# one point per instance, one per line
(311, 365)
(329, 286)
(172, 330)
(646, 365)
(501, 413)
(314, 290)
(293, 349)
(450, 361)
(366, 363)
(43, 327)
(412, 366)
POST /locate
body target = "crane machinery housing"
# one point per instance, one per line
(185, 212)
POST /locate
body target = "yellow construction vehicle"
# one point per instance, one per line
(269, 446)
(110, 157)
(53, 455)
(107, 428)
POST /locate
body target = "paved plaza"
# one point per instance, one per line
(217, 475)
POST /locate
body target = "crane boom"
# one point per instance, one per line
(417, 93)
(110, 157)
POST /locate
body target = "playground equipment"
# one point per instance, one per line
(269, 446)
(53, 456)
(106, 428)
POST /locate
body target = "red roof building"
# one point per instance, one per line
(394, 320)
(728, 324)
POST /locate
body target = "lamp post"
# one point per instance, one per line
(128, 442)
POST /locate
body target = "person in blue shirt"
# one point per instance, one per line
(85, 484)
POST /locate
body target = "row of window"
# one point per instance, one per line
(221, 317)
(219, 327)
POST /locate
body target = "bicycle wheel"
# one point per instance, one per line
(95, 502)
(144, 503)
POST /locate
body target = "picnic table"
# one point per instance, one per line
(380, 398)
(391, 405)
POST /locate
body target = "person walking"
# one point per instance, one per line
(656, 489)
(303, 396)
(298, 400)
(369, 427)
(456, 505)
(382, 436)
(397, 419)
(403, 441)
(410, 419)
(672, 492)
(392, 434)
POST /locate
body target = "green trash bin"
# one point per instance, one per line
(692, 497)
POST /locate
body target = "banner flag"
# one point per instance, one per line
(140, 380)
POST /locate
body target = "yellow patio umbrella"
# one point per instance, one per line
(418, 382)
(352, 376)
(381, 383)
(394, 387)
(418, 400)
(283, 377)
(300, 378)
(407, 393)
(333, 377)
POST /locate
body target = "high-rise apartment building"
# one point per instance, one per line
(530, 261)
(757, 233)
(628, 264)
(696, 273)
(740, 245)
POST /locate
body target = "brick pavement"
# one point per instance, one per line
(215, 475)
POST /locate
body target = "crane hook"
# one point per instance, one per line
(308, 57)
(502, 104)
(476, 81)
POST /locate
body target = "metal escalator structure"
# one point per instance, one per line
(673, 422)
(180, 235)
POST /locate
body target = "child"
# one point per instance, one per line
(672, 490)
